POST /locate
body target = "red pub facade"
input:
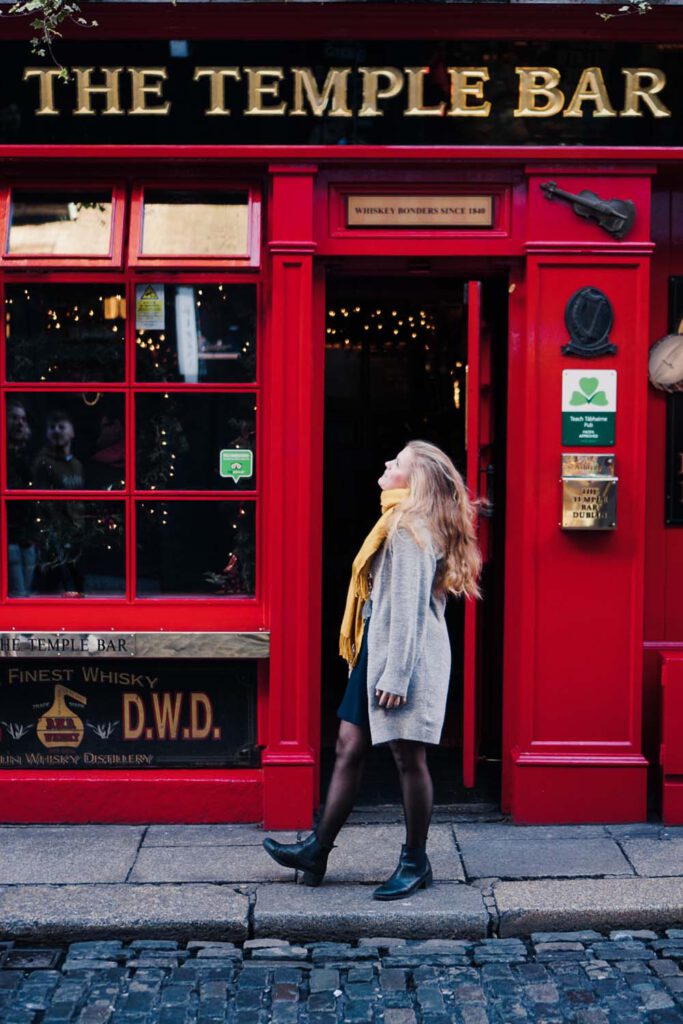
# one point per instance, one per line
(248, 250)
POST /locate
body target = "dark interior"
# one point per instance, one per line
(395, 369)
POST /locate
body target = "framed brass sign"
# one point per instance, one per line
(589, 491)
(389, 211)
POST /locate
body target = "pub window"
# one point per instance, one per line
(130, 463)
(65, 332)
(61, 226)
(200, 226)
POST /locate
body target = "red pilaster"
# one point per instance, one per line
(574, 599)
(295, 390)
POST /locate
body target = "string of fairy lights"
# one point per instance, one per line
(353, 327)
(78, 320)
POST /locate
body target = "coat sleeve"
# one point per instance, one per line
(412, 576)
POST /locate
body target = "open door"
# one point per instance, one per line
(480, 476)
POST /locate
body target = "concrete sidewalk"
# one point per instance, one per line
(216, 881)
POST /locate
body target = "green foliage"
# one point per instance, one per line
(47, 18)
(630, 7)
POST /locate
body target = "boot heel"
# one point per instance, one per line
(309, 878)
(427, 881)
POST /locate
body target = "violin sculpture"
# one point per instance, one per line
(616, 216)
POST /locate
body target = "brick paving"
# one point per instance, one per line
(624, 977)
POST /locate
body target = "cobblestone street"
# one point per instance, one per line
(554, 977)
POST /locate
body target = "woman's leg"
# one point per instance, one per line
(417, 789)
(353, 743)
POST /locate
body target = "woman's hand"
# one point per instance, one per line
(389, 700)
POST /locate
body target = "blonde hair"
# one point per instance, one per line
(439, 501)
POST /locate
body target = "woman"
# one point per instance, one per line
(395, 640)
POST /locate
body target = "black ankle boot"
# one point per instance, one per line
(309, 856)
(413, 872)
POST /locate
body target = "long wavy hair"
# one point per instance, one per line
(439, 501)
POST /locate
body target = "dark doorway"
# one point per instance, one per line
(396, 369)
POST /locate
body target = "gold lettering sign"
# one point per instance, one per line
(419, 211)
(589, 503)
(279, 91)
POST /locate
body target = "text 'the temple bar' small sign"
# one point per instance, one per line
(391, 211)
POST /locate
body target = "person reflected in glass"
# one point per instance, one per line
(395, 640)
(21, 547)
(56, 467)
(106, 466)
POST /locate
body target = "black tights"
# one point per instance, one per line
(417, 792)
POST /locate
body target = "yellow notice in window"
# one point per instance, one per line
(149, 307)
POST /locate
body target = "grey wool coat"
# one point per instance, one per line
(408, 647)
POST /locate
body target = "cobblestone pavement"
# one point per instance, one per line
(626, 977)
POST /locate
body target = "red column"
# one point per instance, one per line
(294, 384)
(574, 599)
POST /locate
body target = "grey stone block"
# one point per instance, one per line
(281, 953)
(528, 906)
(46, 854)
(369, 853)
(265, 943)
(655, 857)
(346, 912)
(507, 856)
(527, 833)
(80, 911)
(213, 835)
(205, 864)
(587, 935)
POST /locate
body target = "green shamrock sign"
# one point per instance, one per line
(589, 406)
(588, 393)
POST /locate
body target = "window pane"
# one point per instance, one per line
(195, 548)
(196, 333)
(180, 438)
(60, 223)
(195, 224)
(66, 441)
(70, 548)
(65, 332)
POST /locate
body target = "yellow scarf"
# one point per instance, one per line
(351, 635)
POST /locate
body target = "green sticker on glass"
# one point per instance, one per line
(236, 463)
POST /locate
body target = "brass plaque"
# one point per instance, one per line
(158, 644)
(587, 464)
(67, 645)
(419, 211)
(589, 503)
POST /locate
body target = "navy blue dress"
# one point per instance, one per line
(354, 705)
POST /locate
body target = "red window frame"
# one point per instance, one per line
(250, 258)
(114, 259)
(170, 612)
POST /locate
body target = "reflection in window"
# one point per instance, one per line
(66, 548)
(65, 441)
(180, 437)
(65, 332)
(195, 224)
(195, 548)
(196, 333)
(60, 223)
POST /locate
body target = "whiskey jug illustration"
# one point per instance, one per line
(60, 726)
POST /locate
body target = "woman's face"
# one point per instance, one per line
(397, 472)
